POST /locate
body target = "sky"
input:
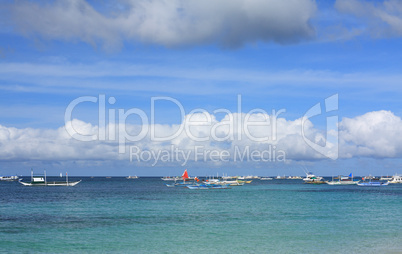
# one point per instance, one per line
(151, 88)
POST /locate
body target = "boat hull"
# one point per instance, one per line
(51, 183)
(373, 184)
(343, 182)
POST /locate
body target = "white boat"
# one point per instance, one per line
(168, 178)
(396, 179)
(294, 177)
(9, 178)
(310, 177)
(42, 181)
(386, 178)
(132, 177)
(343, 180)
(266, 178)
(373, 184)
(280, 177)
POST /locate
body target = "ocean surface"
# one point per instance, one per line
(118, 215)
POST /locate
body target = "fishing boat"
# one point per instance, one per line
(132, 177)
(396, 179)
(42, 181)
(343, 180)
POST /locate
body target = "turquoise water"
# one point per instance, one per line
(145, 216)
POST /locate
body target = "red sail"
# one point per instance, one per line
(185, 175)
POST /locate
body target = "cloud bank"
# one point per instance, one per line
(229, 23)
(374, 134)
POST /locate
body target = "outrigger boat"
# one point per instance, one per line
(373, 184)
(343, 180)
(42, 181)
(207, 186)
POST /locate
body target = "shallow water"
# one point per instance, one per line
(145, 216)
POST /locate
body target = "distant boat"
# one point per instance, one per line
(266, 178)
(132, 177)
(207, 187)
(315, 182)
(168, 178)
(343, 180)
(396, 179)
(9, 178)
(310, 177)
(42, 181)
(294, 177)
(373, 184)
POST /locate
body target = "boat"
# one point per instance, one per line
(132, 177)
(373, 184)
(207, 186)
(241, 181)
(396, 179)
(280, 177)
(315, 182)
(185, 178)
(265, 178)
(42, 181)
(385, 178)
(168, 178)
(9, 178)
(294, 177)
(343, 180)
(225, 182)
(310, 177)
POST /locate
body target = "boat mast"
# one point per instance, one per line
(45, 177)
(67, 178)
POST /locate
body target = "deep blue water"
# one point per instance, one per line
(145, 216)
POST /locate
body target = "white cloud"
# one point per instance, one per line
(374, 134)
(231, 23)
(380, 18)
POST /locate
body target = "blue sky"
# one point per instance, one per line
(275, 54)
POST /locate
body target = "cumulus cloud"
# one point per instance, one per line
(230, 23)
(275, 136)
(264, 139)
(380, 18)
(374, 134)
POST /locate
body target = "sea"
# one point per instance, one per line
(119, 215)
